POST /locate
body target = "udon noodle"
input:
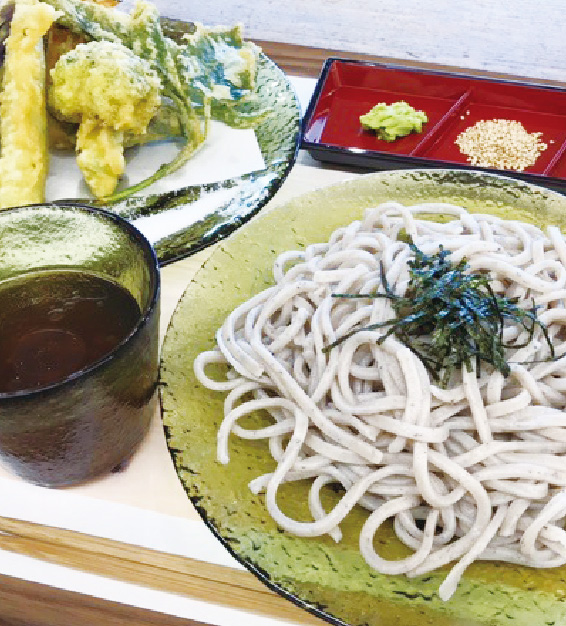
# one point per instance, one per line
(474, 470)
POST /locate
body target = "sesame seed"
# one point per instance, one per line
(502, 144)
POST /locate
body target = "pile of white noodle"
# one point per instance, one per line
(473, 471)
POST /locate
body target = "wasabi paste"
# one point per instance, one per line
(391, 121)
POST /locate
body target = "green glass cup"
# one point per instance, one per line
(69, 425)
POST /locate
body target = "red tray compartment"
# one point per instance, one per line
(347, 89)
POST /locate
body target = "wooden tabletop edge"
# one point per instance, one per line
(225, 586)
(306, 61)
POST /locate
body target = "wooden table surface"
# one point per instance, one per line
(515, 37)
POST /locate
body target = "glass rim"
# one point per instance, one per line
(154, 270)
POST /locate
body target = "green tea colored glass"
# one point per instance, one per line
(89, 421)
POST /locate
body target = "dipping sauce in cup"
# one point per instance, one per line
(79, 333)
(54, 323)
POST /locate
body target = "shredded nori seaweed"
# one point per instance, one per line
(450, 317)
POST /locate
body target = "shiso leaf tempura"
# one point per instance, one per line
(210, 75)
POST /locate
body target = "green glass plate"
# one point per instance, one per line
(239, 198)
(328, 579)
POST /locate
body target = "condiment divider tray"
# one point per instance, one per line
(452, 102)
